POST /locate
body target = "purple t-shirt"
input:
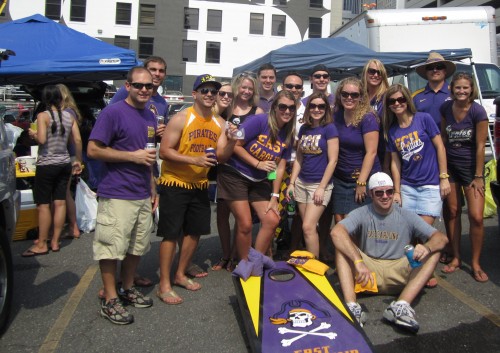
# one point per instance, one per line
(157, 104)
(313, 143)
(419, 164)
(257, 143)
(124, 128)
(352, 146)
(461, 144)
(428, 101)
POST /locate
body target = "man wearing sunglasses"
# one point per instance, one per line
(428, 99)
(369, 249)
(320, 80)
(127, 193)
(266, 75)
(183, 184)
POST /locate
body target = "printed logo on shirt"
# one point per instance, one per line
(409, 146)
(455, 137)
(153, 109)
(310, 144)
(263, 150)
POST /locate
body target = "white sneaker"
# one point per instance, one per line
(402, 315)
(358, 313)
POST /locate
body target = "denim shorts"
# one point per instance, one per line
(343, 196)
(423, 200)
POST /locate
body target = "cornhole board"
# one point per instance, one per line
(289, 309)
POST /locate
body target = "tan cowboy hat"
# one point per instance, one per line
(433, 59)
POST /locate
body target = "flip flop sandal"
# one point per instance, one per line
(445, 258)
(142, 282)
(196, 271)
(189, 284)
(31, 253)
(480, 276)
(222, 263)
(450, 268)
(169, 294)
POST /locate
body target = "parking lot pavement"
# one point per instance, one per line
(55, 307)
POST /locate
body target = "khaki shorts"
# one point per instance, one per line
(123, 227)
(304, 192)
(392, 275)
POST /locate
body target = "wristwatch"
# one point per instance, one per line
(444, 176)
(275, 195)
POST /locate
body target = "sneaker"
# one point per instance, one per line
(135, 298)
(115, 312)
(402, 315)
(357, 312)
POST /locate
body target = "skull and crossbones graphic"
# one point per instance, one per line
(303, 318)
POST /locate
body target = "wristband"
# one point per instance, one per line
(478, 176)
(358, 261)
(444, 176)
(257, 166)
(397, 192)
(430, 251)
(360, 183)
(275, 195)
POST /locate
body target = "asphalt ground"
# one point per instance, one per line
(55, 307)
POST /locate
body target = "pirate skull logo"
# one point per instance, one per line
(301, 317)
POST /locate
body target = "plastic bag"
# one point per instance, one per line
(490, 174)
(86, 207)
(13, 133)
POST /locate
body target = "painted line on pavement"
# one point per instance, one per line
(470, 302)
(54, 336)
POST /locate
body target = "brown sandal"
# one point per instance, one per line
(222, 263)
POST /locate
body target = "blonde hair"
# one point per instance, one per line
(384, 83)
(68, 102)
(273, 123)
(363, 105)
(236, 84)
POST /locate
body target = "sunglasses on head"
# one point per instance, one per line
(206, 90)
(323, 76)
(283, 107)
(247, 74)
(321, 106)
(374, 71)
(400, 100)
(224, 94)
(138, 85)
(380, 193)
(353, 95)
(435, 67)
(291, 86)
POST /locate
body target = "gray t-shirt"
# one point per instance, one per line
(384, 237)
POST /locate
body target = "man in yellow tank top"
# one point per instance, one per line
(183, 184)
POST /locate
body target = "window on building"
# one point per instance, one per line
(279, 2)
(316, 3)
(123, 13)
(191, 18)
(77, 10)
(122, 42)
(214, 20)
(315, 26)
(146, 47)
(147, 14)
(279, 25)
(189, 50)
(53, 9)
(213, 53)
(256, 23)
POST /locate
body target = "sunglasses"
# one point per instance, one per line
(380, 193)
(138, 85)
(373, 72)
(283, 107)
(435, 67)
(290, 86)
(323, 76)
(206, 90)
(247, 74)
(224, 94)
(353, 95)
(320, 106)
(400, 100)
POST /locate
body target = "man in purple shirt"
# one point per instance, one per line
(267, 78)
(127, 193)
(430, 98)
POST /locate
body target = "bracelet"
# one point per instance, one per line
(275, 195)
(478, 176)
(358, 261)
(360, 183)
(397, 192)
(444, 176)
(257, 166)
(430, 251)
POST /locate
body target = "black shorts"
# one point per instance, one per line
(462, 175)
(183, 212)
(232, 186)
(51, 182)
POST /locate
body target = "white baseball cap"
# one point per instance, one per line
(379, 179)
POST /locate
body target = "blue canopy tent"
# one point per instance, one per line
(49, 52)
(342, 57)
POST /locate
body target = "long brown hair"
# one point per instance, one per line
(273, 123)
(327, 117)
(389, 117)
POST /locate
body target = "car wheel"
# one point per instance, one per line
(6, 280)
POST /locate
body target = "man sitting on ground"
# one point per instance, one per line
(369, 246)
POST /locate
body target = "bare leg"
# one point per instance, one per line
(108, 275)
(452, 211)
(418, 278)
(312, 214)
(71, 212)
(268, 223)
(129, 266)
(189, 246)
(243, 217)
(224, 228)
(59, 218)
(44, 222)
(346, 276)
(475, 208)
(167, 254)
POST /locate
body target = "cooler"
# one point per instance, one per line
(28, 215)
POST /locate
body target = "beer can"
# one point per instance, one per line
(211, 150)
(409, 249)
(160, 119)
(150, 146)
